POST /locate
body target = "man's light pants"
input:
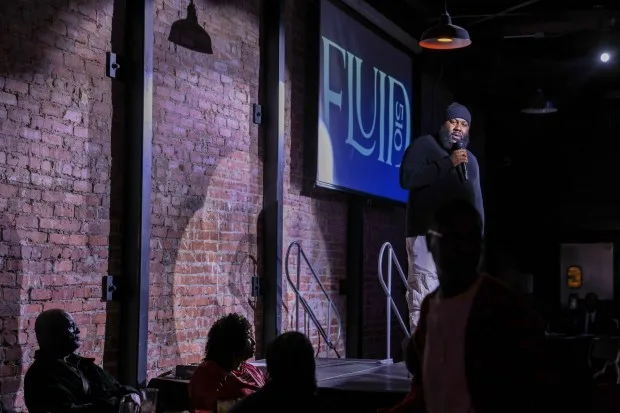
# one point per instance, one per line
(422, 277)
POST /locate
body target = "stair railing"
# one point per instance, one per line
(387, 249)
(299, 299)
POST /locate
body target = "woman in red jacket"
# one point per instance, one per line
(225, 376)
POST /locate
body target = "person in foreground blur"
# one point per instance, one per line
(429, 172)
(414, 401)
(480, 346)
(225, 376)
(292, 381)
(60, 381)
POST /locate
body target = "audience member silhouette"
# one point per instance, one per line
(292, 379)
(224, 377)
(594, 318)
(60, 381)
(480, 346)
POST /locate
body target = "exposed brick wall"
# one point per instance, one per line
(55, 122)
(58, 172)
(207, 186)
(318, 222)
(207, 179)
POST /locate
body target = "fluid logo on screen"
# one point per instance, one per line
(364, 108)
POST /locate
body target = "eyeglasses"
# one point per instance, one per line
(431, 233)
(466, 237)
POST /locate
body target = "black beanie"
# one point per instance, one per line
(456, 110)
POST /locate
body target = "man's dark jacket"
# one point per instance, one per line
(76, 385)
(430, 177)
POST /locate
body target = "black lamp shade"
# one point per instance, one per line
(445, 36)
(189, 34)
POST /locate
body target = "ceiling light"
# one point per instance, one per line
(189, 34)
(445, 35)
(538, 105)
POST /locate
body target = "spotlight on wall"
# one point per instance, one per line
(538, 105)
(604, 57)
(189, 34)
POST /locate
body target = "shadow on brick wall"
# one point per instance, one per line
(11, 250)
(194, 286)
(207, 185)
(22, 24)
(247, 261)
(53, 201)
(13, 62)
(18, 58)
(27, 25)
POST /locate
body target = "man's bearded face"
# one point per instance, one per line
(452, 131)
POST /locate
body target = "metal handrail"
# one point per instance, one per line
(299, 299)
(390, 304)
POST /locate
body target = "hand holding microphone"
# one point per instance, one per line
(459, 159)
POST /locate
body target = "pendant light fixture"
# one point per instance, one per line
(189, 34)
(539, 105)
(445, 35)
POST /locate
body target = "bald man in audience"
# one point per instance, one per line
(60, 381)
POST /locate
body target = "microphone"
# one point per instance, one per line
(461, 169)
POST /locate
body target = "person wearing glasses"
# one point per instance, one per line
(480, 346)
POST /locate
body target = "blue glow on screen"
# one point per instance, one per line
(365, 121)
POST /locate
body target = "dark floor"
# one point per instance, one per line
(363, 375)
(357, 385)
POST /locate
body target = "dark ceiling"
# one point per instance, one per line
(519, 46)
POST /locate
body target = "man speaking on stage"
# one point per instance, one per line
(435, 170)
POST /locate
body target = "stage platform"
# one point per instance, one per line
(360, 385)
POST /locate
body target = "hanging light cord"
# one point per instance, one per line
(435, 93)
